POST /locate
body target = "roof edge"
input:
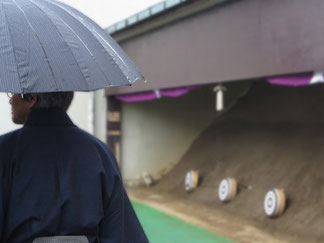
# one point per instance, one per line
(144, 15)
(148, 24)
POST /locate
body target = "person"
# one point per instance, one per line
(57, 180)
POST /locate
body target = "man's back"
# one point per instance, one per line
(59, 180)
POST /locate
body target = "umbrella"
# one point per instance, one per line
(48, 46)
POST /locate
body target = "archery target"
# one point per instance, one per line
(191, 180)
(147, 178)
(227, 189)
(274, 202)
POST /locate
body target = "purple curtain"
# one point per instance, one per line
(152, 95)
(298, 80)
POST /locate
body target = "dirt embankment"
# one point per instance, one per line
(273, 137)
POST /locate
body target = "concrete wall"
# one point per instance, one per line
(155, 135)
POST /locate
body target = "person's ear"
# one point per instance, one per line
(31, 101)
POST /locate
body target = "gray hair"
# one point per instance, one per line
(60, 100)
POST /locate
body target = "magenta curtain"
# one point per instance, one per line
(298, 80)
(152, 95)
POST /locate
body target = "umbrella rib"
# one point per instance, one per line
(65, 42)
(74, 16)
(46, 57)
(13, 46)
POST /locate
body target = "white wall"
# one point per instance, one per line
(79, 110)
(6, 125)
(100, 114)
(88, 111)
(155, 135)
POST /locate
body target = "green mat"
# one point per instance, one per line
(163, 228)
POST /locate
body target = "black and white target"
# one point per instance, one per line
(274, 202)
(227, 189)
(191, 180)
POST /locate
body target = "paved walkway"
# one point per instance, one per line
(163, 228)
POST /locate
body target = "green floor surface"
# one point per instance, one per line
(163, 228)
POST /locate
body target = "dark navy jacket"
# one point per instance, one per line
(56, 179)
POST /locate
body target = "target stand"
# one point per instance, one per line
(191, 180)
(274, 203)
(227, 190)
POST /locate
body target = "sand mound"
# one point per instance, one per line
(273, 137)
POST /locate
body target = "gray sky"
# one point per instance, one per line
(108, 12)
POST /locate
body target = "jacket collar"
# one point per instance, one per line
(48, 117)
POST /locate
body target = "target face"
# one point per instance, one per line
(274, 202)
(191, 180)
(188, 181)
(147, 178)
(270, 203)
(227, 189)
(224, 190)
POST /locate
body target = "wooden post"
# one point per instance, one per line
(114, 126)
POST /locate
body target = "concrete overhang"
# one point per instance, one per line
(210, 41)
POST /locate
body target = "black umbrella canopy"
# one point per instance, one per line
(48, 46)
